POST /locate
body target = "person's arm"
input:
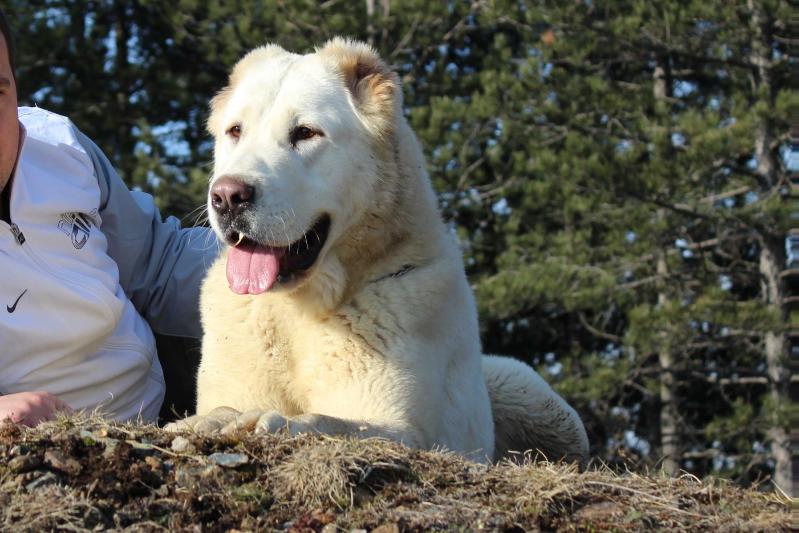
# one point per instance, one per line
(160, 265)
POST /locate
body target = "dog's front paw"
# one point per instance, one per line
(209, 424)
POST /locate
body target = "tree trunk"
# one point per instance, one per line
(772, 258)
(370, 17)
(776, 347)
(669, 437)
(124, 137)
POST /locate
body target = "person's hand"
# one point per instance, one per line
(30, 408)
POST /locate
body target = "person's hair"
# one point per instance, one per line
(5, 29)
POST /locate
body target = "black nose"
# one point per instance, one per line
(230, 195)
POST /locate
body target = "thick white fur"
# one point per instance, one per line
(353, 349)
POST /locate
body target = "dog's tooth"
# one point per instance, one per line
(241, 238)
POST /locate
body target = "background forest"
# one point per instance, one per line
(621, 176)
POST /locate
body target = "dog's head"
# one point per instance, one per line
(297, 160)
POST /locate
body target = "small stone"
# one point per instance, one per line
(18, 450)
(47, 479)
(330, 528)
(153, 462)
(186, 476)
(62, 463)
(183, 445)
(27, 477)
(228, 460)
(24, 463)
(110, 447)
(88, 437)
(141, 449)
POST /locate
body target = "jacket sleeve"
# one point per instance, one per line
(161, 265)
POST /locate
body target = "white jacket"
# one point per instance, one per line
(80, 251)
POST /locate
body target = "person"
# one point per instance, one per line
(88, 269)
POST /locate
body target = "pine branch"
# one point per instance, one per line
(596, 332)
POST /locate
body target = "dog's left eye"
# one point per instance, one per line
(302, 133)
(234, 131)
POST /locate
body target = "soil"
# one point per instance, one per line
(83, 474)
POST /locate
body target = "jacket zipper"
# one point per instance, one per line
(18, 235)
(15, 231)
(43, 267)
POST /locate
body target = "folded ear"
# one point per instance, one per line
(375, 88)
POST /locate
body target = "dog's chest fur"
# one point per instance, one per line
(296, 350)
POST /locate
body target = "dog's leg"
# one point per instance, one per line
(225, 420)
(273, 422)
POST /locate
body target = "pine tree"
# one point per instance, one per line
(598, 175)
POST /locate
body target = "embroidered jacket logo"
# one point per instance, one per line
(77, 226)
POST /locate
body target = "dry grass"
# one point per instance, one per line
(331, 471)
(129, 477)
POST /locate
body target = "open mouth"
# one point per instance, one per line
(253, 267)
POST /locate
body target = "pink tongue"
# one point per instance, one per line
(253, 269)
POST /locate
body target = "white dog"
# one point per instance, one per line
(341, 305)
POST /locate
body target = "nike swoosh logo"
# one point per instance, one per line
(13, 308)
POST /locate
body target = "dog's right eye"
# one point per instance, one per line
(234, 131)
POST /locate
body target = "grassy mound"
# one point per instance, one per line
(83, 474)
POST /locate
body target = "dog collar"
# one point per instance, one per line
(398, 274)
